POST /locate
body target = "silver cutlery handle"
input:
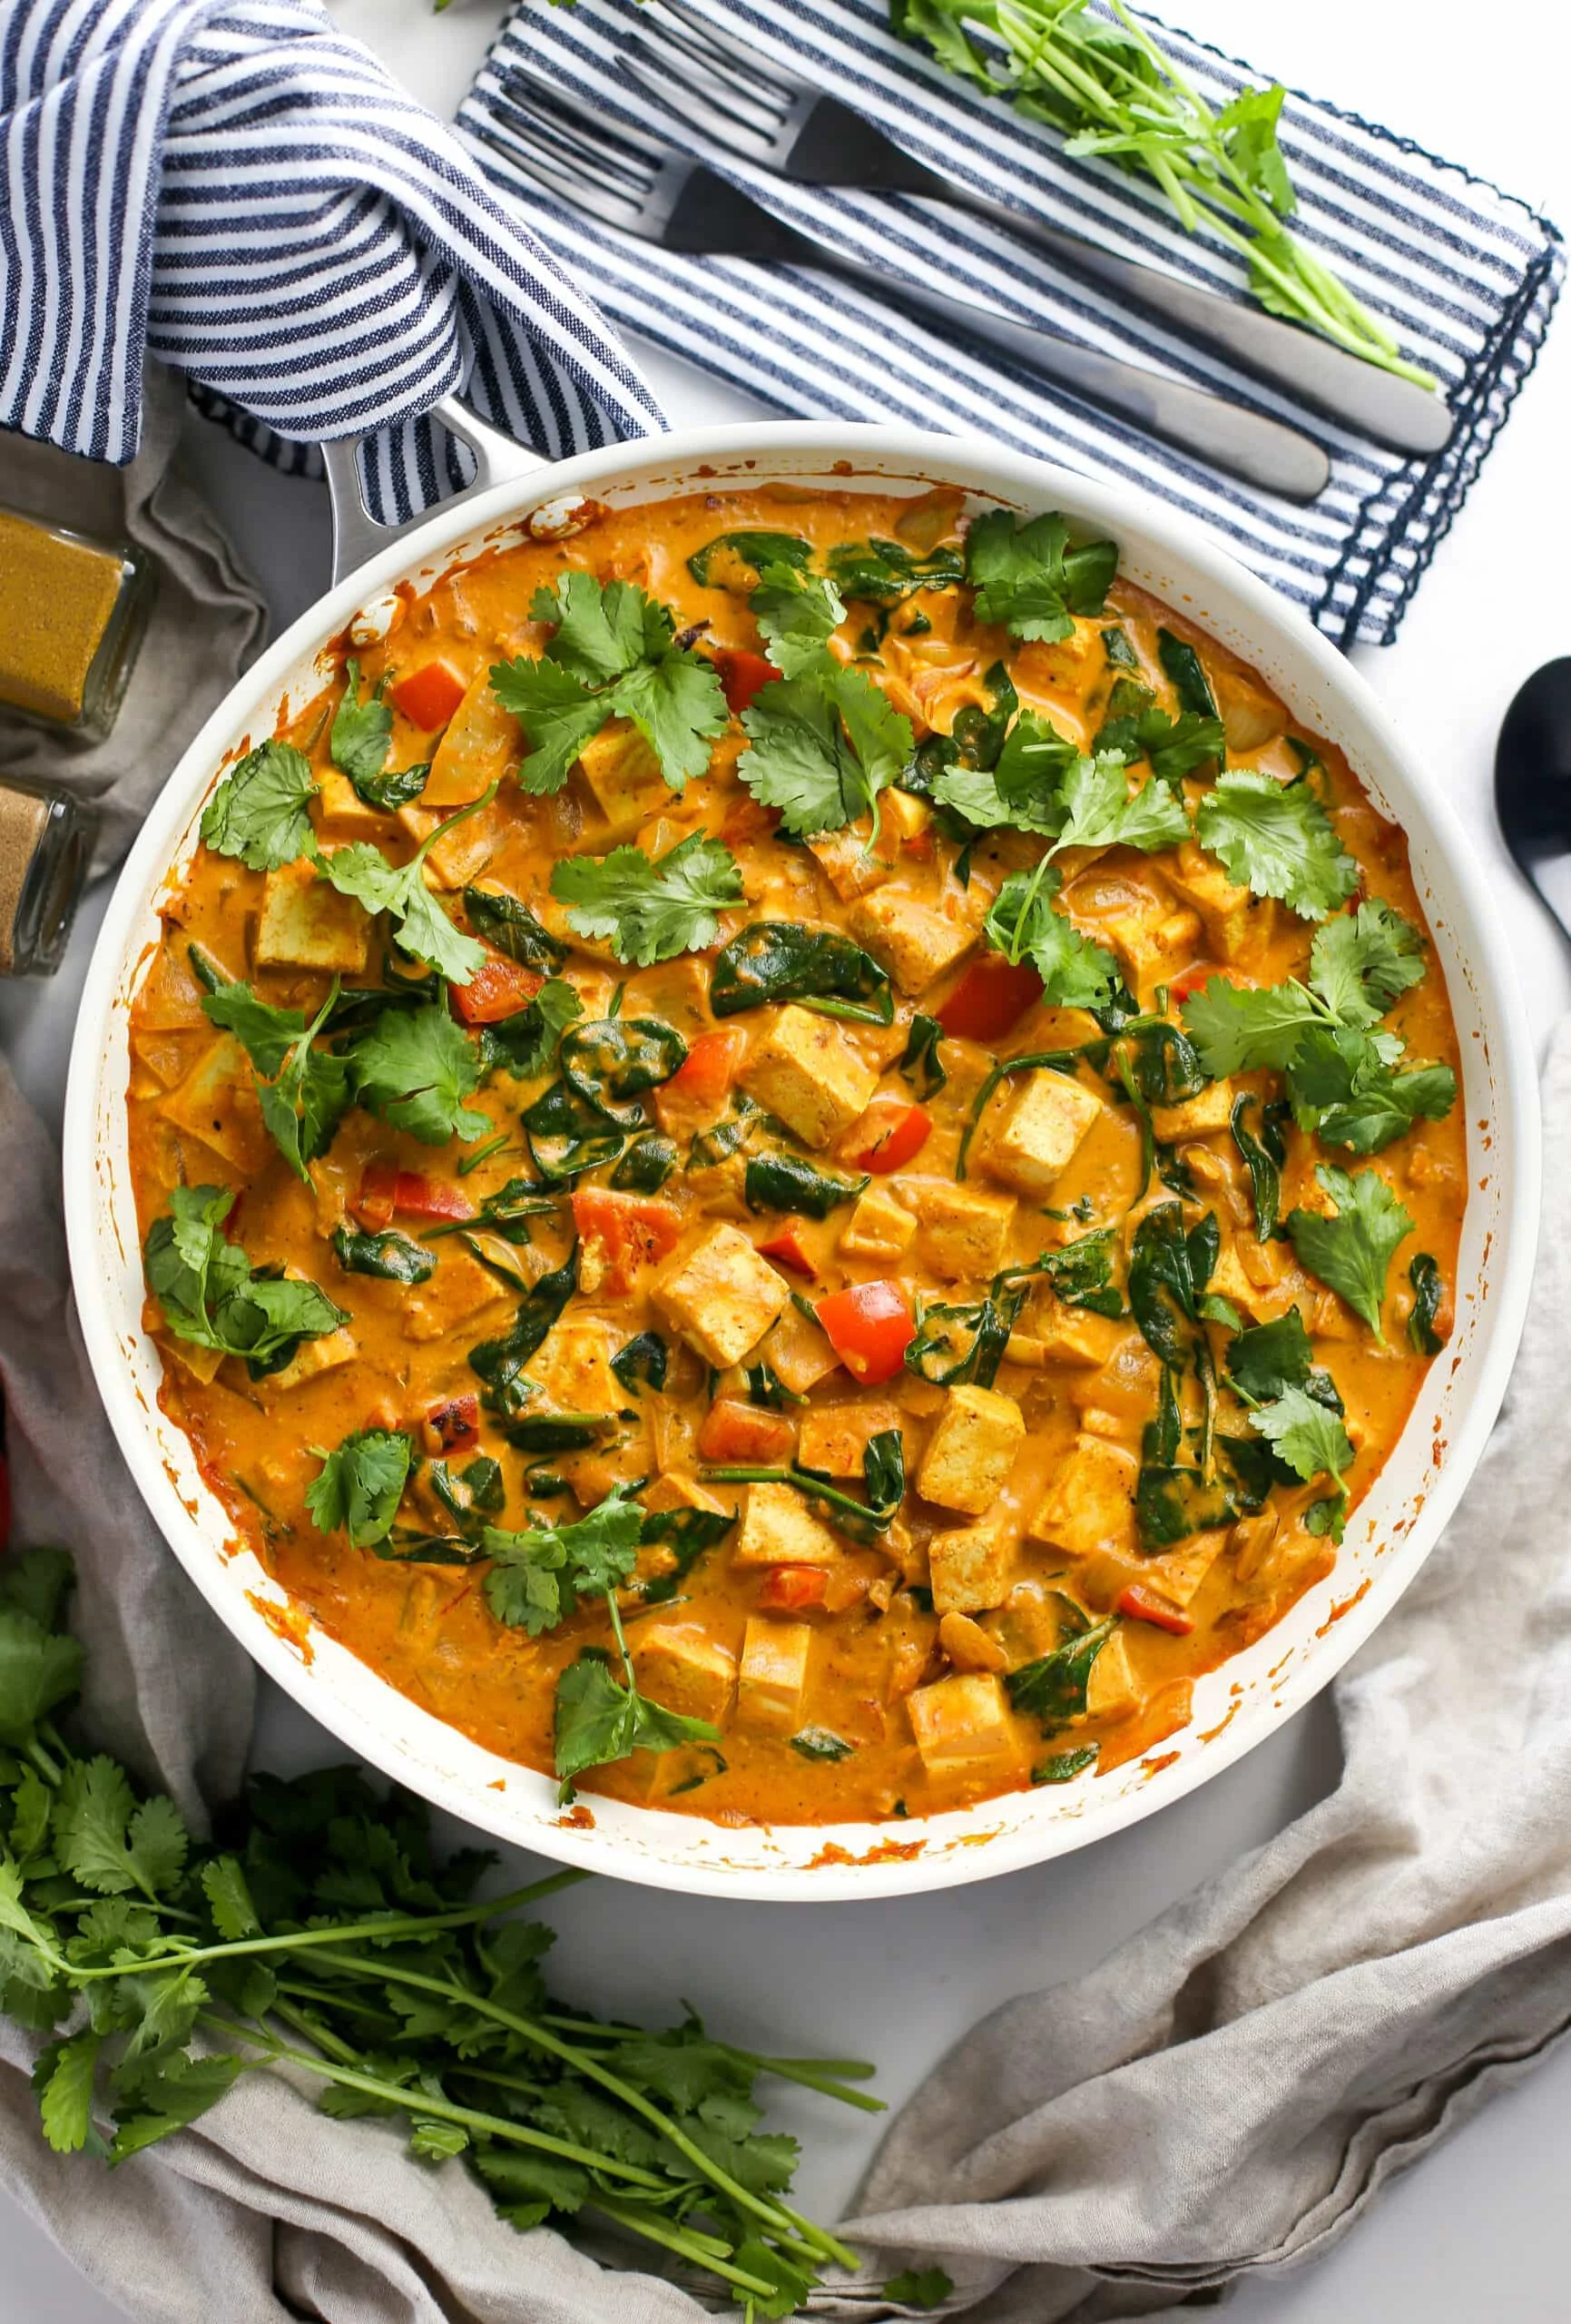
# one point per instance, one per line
(1241, 442)
(1312, 370)
(357, 534)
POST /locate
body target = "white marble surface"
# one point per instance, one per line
(1477, 2231)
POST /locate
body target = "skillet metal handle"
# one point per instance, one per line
(357, 534)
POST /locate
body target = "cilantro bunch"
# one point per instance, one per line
(325, 1936)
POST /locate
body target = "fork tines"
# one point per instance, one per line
(732, 96)
(608, 171)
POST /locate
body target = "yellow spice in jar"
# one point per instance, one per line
(58, 598)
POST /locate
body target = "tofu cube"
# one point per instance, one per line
(964, 1730)
(963, 1231)
(217, 1103)
(306, 923)
(1071, 1337)
(972, 1451)
(811, 1075)
(779, 1528)
(1153, 938)
(460, 1288)
(916, 941)
(1091, 1504)
(798, 1354)
(1112, 1691)
(458, 859)
(851, 867)
(341, 812)
(573, 1366)
(201, 1362)
(311, 1359)
(834, 1437)
(1036, 1135)
(671, 1490)
(969, 1569)
(1199, 1116)
(879, 1227)
(1237, 924)
(624, 777)
(1178, 1574)
(773, 1676)
(1233, 1281)
(481, 742)
(721, 1296)
(682, 1668)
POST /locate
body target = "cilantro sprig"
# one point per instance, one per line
(414, 1068)
(648, 911)
(359, 1487)
(1352, 1249)
(212, 1296)
(257, 813)
(1027, 577)
(1296, 1409)
(821, 746)
(303, 1090)
(1275, 839)
(613, 655)
(421, 924)
(423, 2005)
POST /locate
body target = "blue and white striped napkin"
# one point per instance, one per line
(1465, 275)
(244, 192)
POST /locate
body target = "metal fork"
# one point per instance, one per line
(741, 99)
(629, 181)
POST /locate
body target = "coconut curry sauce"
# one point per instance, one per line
(839, 1235)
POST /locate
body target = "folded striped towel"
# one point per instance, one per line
(1465, 275)
(243, 191)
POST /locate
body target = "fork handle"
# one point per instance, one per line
(1241, 443)
(1312, 370)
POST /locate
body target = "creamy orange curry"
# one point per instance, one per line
(796, 1153)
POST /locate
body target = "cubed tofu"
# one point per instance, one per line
(971, 1451)
(1237, 924)
(481, 742)
(1090, 1504)
(201, 1362)
(1112, 1691)
(1178, 1574)
(1071, 1337)
(311, 1359)
(970, 1569)
(460, 1289)
(964, 1730)
(681, 1667)
(672, 1490)
(1199, 1117)
(573, 1366)
(1034, 1138)
(916, 941)
(834, 1437)
(851, 867)
(963, 1230)
(1233, 1281)
(809, 1072)
(773, 1676)
(779, 1528)
(462, 854)
(721, 1296)
(217, 1103)
(1152, 937)
(878, 1228)
(306, 923)
(342, 813)
(798, 1354)
(624, 777)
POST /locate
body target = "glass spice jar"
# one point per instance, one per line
(45, 841)
(72, 613)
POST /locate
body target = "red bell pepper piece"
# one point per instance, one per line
(378, 1194)
(887, 1137)
(1142, 1607)
(430, 695)
(993, 995)
(698, 1087)
(786, 1250)
(869, 1325)
(788, 1589)
(742, 676)
(499, 988)
(734, 1430)
(385, 1191)
(622, 1232)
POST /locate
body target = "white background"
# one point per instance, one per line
(1477, 2231)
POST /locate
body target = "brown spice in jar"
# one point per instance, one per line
(58, 598)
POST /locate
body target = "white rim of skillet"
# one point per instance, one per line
(1034, 483)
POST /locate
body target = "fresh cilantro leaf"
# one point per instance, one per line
(919, 2287)
(648, 912)
(229, 1899)
(1378, 1104)
(104, 1840)
(362, 732)
(1100, 812)
(421, 926)
(541, 1574)
(63, 2080)
(821, 747)
(1019, 780)
(1027, 577)
(212, 1296)
(798, 613)
(258, 810)
(358, 1488)
(1024, 926)
(1305, 1433)
(180, 2090)
(598, 1721)
(1236, 1029)
(613, 655)
(1277, 840)
(1362, 962)
(36, 1582)
(303, 1090)
(1179, 746)
(414, 1068)
(525, 1043)
(39, 1669)
(1353, 1250)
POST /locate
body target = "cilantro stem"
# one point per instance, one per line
(822, 2074)
(691, 2245)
